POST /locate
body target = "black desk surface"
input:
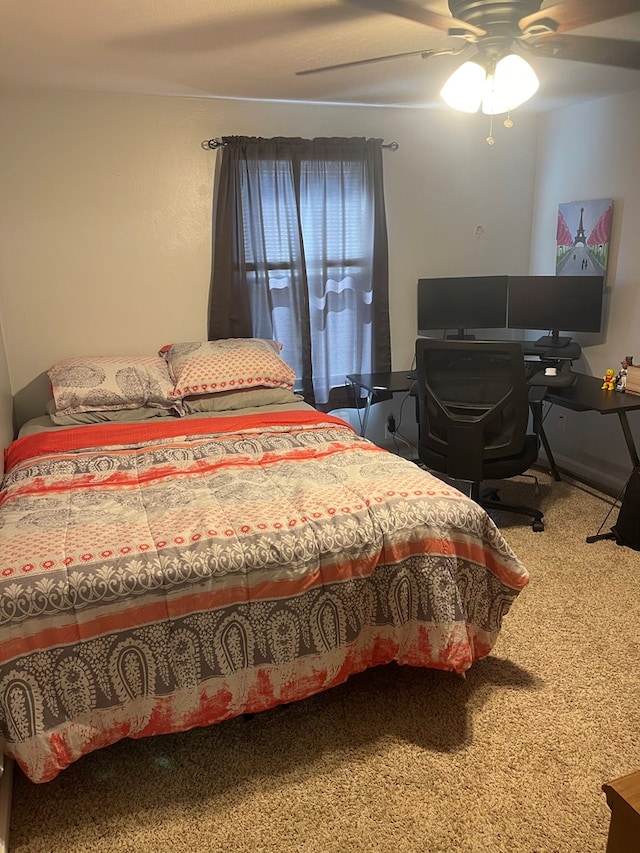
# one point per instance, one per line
(396, 381)
(586, 395)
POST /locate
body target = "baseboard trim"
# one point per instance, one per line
(609, 485)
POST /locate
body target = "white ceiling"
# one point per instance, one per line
(252, 49)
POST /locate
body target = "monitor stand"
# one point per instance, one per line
(461, 336)
(552, 341)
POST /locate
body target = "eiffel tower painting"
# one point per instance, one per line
(582, 237)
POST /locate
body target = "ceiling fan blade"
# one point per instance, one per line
(578, 13)
(616, 52)
(405, 9)
(423, 53)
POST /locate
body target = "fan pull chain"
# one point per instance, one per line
(490, 139)
(508, 123)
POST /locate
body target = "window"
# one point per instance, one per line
(311, 256)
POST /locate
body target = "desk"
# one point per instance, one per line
(395, 382)
(585, 395)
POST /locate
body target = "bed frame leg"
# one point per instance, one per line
(6, 781)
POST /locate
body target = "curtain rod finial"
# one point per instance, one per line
(212, 144)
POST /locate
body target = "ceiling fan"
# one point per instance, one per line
(499, 32)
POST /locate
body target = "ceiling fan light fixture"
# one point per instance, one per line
(501, 89)
(464, 89)
(513, 82)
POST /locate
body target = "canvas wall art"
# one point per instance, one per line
(582, 237)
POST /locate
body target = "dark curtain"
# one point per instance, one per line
(300, 255)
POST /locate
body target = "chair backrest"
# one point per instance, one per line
(473, 403)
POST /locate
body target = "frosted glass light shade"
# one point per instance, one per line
(464, 89)
(513, 83)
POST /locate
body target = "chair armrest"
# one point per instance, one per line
(537, 394)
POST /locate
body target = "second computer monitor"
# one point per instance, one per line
(461, 303)
(557, 303)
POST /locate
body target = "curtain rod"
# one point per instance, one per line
(212, 144)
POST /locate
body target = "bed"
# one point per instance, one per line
(176, 571)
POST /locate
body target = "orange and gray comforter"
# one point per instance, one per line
(160, 576)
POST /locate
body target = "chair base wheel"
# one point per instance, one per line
(490, 495)
(537, 523)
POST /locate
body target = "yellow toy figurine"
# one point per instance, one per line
(609, 380)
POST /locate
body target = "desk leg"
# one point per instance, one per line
(548, 451)
(365, 414)
(633, 453)
(626, 429)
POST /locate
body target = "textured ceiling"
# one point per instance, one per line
(252, 49)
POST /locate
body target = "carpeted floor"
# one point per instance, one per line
(510, 758)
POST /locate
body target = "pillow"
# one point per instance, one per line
(226, 401)
(232, 364)
(110, 383)
(98, 417)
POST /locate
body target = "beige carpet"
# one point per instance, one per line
(512, 758)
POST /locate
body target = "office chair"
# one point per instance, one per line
(473, 405)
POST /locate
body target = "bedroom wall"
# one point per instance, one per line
(6, 407)
(590, 152)
(105, 215)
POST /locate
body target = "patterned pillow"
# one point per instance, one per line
(109, 383)
(232, 364)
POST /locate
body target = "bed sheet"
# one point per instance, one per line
(179, 572)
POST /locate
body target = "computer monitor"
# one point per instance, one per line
(462, 302)
(567, 303)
